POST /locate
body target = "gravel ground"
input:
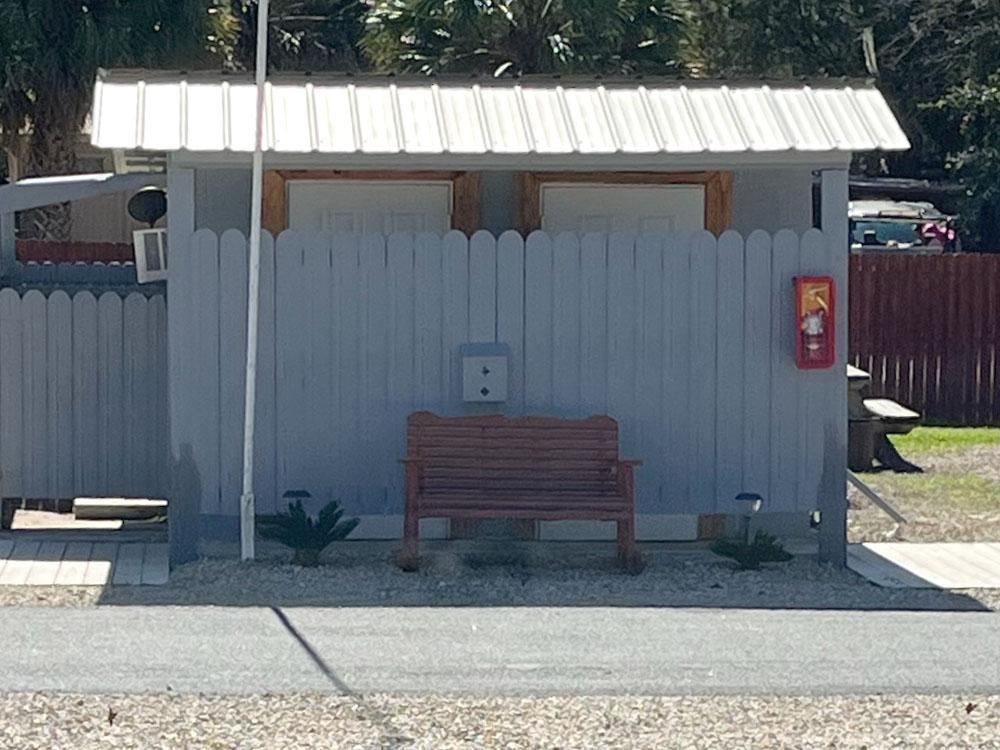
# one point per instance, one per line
(36, 721)
(509, 574)
(957, 498)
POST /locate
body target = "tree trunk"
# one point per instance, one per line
(49, 153)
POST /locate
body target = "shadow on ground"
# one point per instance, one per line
(503, 573)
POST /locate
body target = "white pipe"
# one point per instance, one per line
(247, 502)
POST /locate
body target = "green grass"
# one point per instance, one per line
(940, 492)
(924, 440)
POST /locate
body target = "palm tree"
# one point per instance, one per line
(311, 35)
(523, 36)
(50, 51)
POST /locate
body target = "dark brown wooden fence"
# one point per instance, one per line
(46, 251)
(927, 328)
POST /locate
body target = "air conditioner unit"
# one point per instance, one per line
(150, 247)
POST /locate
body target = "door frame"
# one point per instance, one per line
(464, 192)
(718, 192)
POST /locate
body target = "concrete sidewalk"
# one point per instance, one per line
(509, 651)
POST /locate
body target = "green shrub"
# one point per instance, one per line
(749, 555)
(306, 535)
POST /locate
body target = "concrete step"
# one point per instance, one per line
(124, 508)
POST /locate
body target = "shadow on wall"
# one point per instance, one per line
(184, 507)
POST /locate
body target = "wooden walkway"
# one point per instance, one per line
(952, 565)
(32, 562)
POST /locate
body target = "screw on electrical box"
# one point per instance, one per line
(486, 370)
(485, 391)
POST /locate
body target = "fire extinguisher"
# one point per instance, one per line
(815, 301)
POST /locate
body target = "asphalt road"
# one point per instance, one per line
(497, 651)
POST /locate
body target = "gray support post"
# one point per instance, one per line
(184, 509)
(833, 486)
(8, 244)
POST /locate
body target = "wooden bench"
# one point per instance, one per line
(539, 468)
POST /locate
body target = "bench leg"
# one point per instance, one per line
(7, 510)
(628, 553)
(409, 557)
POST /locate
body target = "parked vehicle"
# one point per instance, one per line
(914, 226)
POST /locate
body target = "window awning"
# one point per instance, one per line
(44, 191)
(545, 116)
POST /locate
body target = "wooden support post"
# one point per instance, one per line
(833, 485)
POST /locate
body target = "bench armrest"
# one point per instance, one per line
(629, 462)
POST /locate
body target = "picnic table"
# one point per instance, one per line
(871, 421)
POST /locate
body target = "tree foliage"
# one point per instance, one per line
(51, 50)
(514, 37)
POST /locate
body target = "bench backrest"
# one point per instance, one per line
(518, 454)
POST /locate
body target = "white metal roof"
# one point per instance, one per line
(378, 115)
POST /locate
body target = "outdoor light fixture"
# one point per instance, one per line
(747, 503)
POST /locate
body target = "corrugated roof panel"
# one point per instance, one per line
(879, 118)
(633, 127)
(549, 128)
(842, 120)
(505, 124)
(802, 120)
(205, 125)
(593, 131)
(161, 114)
(377, 120)
(463, 129)
(421, 130)
(383, 116)
(243, 118)
(117, 117)
(716, 120)
(334, 124)
(289, 109)
(674, 121)
(759, 120)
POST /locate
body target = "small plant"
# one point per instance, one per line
(306, 535)
(749, 555)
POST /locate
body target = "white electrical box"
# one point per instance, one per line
(484, 372)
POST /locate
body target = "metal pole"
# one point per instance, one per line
(247, 503)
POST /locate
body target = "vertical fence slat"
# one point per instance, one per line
(648, 416)
(621, 336)
(86, 414)
(784, 422)
(702, 373)
(482, 287)
(676, 350)
(730, 412)
(232, 370)
(59, 366)
(34, 345)
(510, 313)
(428, 313)
(402, 359)
(111, 392)
(757, 362)
(594, 322)
(349, 460)
(204, 360)
(566, 324)
(538, 322)
(11, 394)
(136, 394)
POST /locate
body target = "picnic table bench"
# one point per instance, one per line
(872, 420)
(539, 468)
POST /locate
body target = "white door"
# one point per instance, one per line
(622, 208)
(375, 207)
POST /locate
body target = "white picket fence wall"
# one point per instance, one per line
(83, 395)
(687, 340)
